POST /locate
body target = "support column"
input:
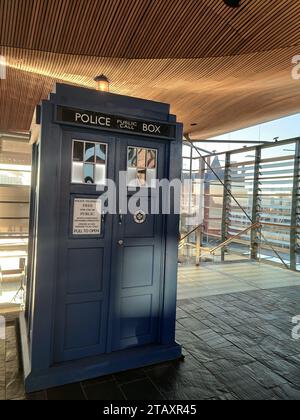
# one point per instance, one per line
(256, 206)
(295, 209)
(226, 202)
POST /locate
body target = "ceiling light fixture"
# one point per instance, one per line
(232, 3)
(102, 83)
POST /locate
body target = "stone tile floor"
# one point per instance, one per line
(237, 347)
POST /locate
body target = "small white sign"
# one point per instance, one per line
(86, 217)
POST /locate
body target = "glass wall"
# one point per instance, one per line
(15, 178)
(240, 188)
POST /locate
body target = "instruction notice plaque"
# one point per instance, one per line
(86, 217)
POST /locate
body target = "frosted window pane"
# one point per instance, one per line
(100, 175)
(77, 173)
(141, 175)
(132, 177)
(89, 174)
(151, 175)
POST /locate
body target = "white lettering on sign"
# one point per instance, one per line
(127, 125)
(86, 217)
(92, 119)
(151, 128)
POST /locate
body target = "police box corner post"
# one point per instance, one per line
(2, 327)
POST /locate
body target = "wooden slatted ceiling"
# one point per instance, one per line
(218, 67)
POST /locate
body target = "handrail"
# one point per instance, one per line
(277, 225)
(256, 225)
(234, 238)
(190, 233)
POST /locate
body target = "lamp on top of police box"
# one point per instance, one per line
(102, 83)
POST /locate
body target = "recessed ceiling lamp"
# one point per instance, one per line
(232, 3)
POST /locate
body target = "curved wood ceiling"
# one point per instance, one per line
(220, 68)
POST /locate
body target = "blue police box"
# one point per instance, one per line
(101, 292)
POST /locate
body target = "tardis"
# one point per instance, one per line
(102, 285)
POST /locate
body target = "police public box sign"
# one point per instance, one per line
(113, 122)
(86, 217)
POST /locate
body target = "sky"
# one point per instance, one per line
(284, 128)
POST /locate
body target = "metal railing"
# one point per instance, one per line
(238, 238)
(243, 187)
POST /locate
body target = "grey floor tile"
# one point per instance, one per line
(142, 390)
(104, 391)
(130, 376)
(71, 392)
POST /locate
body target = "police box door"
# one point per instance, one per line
(138, 246)
(83, 280)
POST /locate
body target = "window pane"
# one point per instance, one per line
(89, 174)
(77, 173)
(101, 154)
(151, 159)
(141, 174)
(78, 151)
(141, 161)
(89, 152)
(151, 175)
(132, 177)
(100, 175)
(132, 157)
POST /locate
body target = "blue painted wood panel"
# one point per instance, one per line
(84, 279)
(138, 264)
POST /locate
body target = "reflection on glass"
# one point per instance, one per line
(141, 159)
(145, 160)
(141, 177)
(88, 174)
(132, 157)
(101, 153)
(89, 152)
(78, 151)
(151, 159)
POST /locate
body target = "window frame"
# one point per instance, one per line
(156, 150)
(94, 164)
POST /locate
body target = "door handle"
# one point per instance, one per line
(120, 242)
(120, 217)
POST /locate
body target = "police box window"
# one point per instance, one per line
(141, 166)
(89, 163)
